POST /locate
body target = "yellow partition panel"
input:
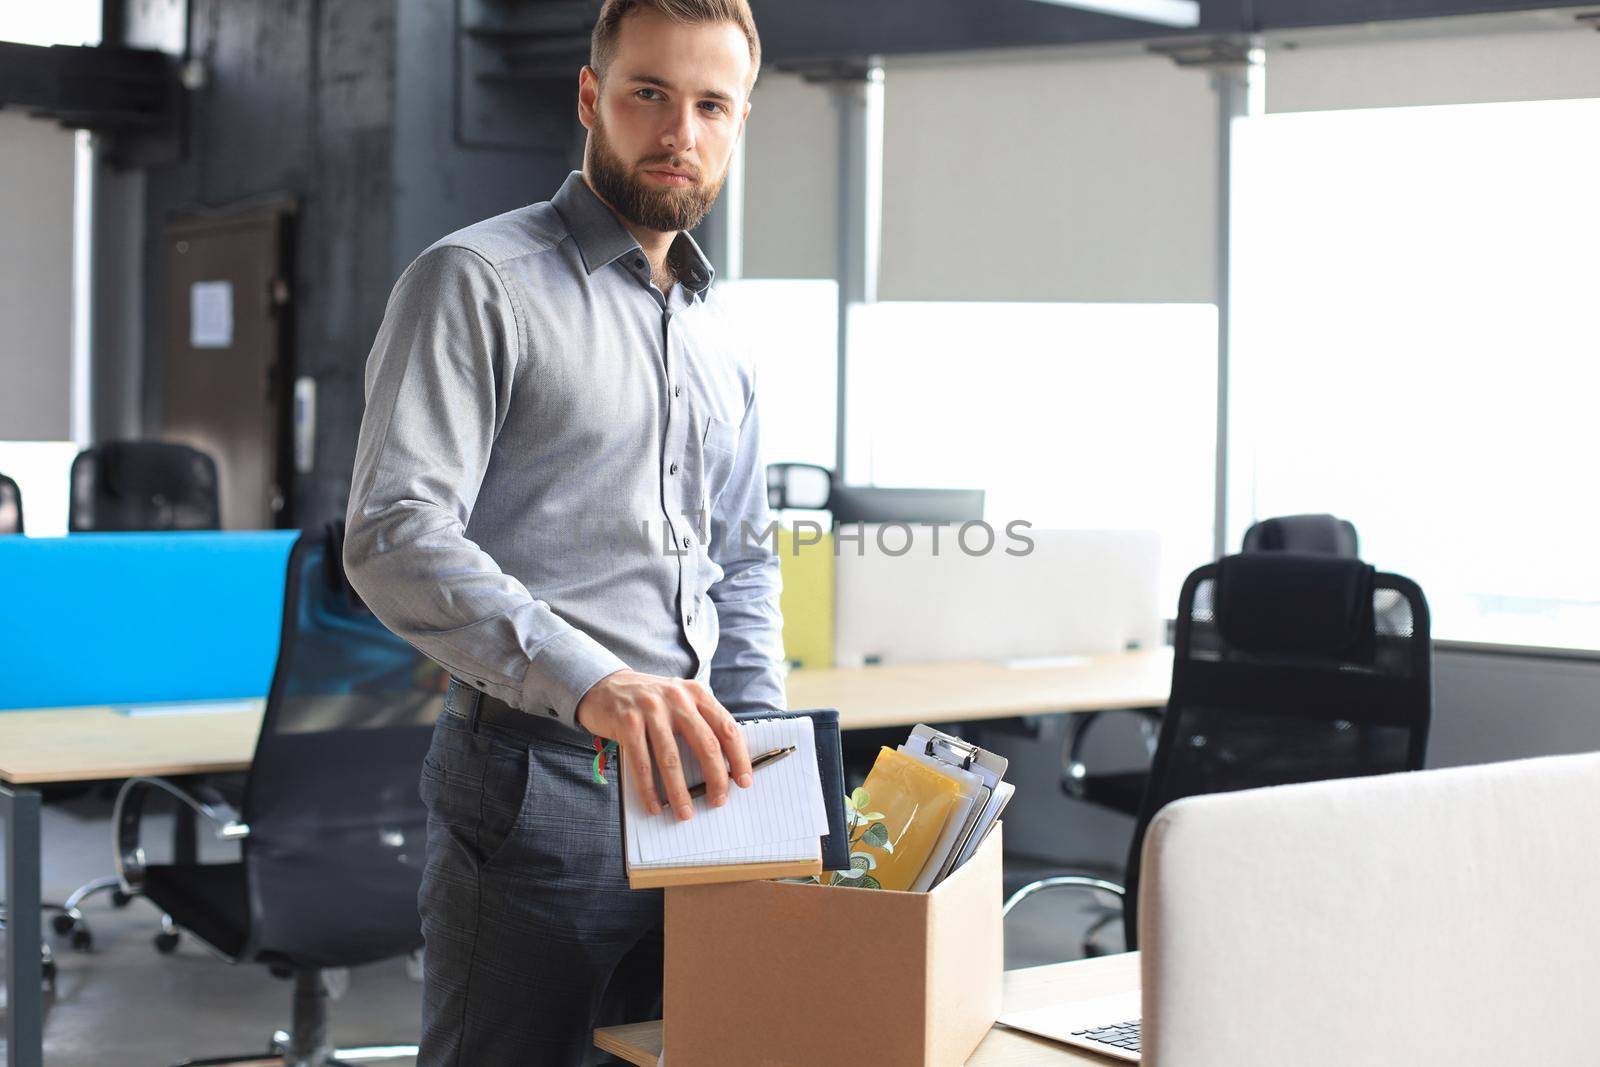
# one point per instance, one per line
(807, 598)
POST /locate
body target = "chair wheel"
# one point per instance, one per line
(82, 939)
(121, 898)
(167, 942)
(63, 923)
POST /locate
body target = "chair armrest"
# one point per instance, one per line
(128, 816)
(1064, 881)
(1073, 768)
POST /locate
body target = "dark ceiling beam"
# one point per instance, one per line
(103, 88)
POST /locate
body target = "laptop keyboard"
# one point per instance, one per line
(1118, 1035)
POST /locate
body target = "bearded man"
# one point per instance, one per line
(558, 496)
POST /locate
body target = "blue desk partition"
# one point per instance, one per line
(119, 618)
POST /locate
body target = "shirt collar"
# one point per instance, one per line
(602, 238)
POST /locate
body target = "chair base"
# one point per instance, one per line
(70, 921)
(305, 1044)
(336, 1058)
(47, 957)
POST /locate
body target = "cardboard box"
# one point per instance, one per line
(776, 974)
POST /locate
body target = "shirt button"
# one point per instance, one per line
(677, 390)
(639, 263)
(689, 619)
(672, 469)
(685, 542)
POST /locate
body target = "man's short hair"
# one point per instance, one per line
(603, 45)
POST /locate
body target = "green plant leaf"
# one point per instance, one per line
(864, 861)
(877, 836)
(856, 869)
(859, 798)
(871, 816)
(870, 882)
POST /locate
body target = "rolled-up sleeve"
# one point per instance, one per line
(438, 386)
(746, 669)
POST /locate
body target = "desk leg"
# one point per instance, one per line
(24, 929)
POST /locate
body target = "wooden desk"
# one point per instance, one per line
(1034, 987)
(56, 745)
(83, 744)
(964, 691)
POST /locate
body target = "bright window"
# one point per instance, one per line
(56, 22)
(1415, 349)
(41, 470)
(1071, 416)
(792, 324)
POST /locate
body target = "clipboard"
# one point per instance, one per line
(990, 769)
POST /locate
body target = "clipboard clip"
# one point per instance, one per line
(965, 751)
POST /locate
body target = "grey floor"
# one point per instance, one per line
(124, 1004)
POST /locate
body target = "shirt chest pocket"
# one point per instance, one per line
(719, 443)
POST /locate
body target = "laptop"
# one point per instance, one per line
(1437, 917)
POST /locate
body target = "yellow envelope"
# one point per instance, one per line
(915, 801)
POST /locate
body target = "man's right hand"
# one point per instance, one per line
(645, 713)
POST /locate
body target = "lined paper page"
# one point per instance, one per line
(781, 816)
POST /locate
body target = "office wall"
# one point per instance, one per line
(441, 183)
(1458, 62)
(1496, 707)
(1072, 177)
(36, 182)
(791, 187)
(298, 101)
(116, 359)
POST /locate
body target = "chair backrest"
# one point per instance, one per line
(1288, 668)
(10, 506)
(1445, 917)
(337, 829)
(798, 485)
(1317, 534)
(876, 503)
(143, 485)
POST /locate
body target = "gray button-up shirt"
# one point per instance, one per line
(558, 474)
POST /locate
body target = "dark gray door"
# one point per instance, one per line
(225, 354)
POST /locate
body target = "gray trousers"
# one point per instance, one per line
(533, 936)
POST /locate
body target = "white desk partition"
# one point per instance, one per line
(901, 599)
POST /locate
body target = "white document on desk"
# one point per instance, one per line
(188, 707)
(780, 817)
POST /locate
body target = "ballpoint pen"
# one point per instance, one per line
(760, 761)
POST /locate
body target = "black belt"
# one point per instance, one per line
(476, 709)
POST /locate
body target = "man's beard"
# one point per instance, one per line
(662, 209)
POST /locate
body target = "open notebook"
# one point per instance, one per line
(773, 829)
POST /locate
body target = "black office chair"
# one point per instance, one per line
(1322, 535)
(798, 485)
(812, 487)
(1287, 668)
(143, 485)
(10, 506)
(130, 486)
(332, 829)
(1121, 790)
